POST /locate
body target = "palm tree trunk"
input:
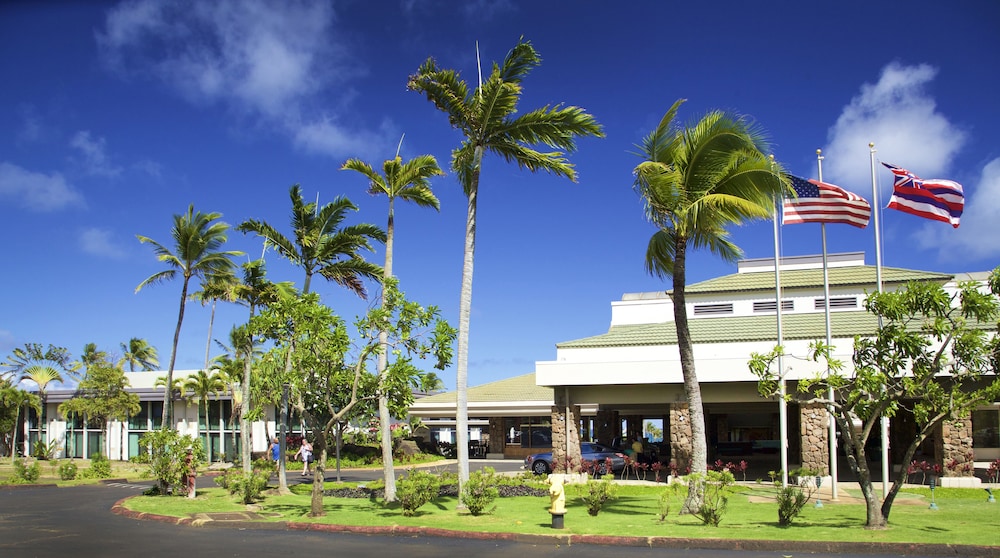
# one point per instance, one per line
(388, 470)
(211, 322)
(692, 389)
(168, 397)
(245, 410)
(464, 312)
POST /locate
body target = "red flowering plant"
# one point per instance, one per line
(993, 473)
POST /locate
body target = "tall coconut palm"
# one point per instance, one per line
(320, 244)
(202, 385)
(696, 182)
(489, 119)
(215, 287)
(254, 291)
(407, 182)
(198, 240)
(89, 357)
(138, 352)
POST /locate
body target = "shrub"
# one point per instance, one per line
(165, 451)
(417, 489)
(26, 473)
(67, 471)
(44, 451)
(665, 501)
(715, 487)
(100, 466)
(596, 493)
(480, 491)
(247, 486)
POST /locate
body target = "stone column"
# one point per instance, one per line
(563, 437)
(814, 429)
(953, 448)
(680, 437)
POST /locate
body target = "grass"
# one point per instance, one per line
(963, 517)
(50, 471)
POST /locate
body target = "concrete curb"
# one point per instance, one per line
(897, 549)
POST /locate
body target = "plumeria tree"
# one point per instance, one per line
(936, 357)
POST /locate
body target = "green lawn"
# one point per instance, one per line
(963, 517)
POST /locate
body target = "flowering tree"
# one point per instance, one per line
(936, 357)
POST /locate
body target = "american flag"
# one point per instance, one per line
(819, 202)
(934, 198)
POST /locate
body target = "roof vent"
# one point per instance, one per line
(768, 306)
(838, 302)
(713, 309)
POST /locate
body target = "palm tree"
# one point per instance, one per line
(214, 288)
(198, 240)
(12, 397)
(255, 291)
(202, 385)
(42, 375)
(320, 245)
(489, 120)
(139, 352)
(89, 357)
(695, 183)
(31, 354)
(408, 182)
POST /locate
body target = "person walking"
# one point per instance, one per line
(306, 452)
(275, 449)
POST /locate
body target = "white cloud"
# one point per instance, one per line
(898, 115)
(902, 120)
(976, 237)
(36, 191)
(266, 59)
(100, 242)
(95, 158)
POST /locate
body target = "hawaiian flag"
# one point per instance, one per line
(819, 202)
(940, 200)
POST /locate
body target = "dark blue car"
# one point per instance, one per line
(541, 463)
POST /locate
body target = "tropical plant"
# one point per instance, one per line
(14, 399)
(138, 352)
(26, 473)
(596, 493)
(481, 491)
(695, 183)
(416, 489)
(103, 396)
(198, 240)
(216, 287)
(489, 120)
(90, 356)
(202, 385)
(407, 182)
(164, 451)
(934, 358)
(33, 354)
(321, 245)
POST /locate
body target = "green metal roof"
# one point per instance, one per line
(518, 388)
(734, 329)
(812, 278)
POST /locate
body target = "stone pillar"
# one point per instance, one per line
(814, 430)
(605, 426)
(560, 457)
(953, 448)
(498, 437)
(680, 437)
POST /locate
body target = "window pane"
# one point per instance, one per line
(986, 429)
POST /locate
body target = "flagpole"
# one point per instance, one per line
(884, 420)
(782, 404)
(829, 342)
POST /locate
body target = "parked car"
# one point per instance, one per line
(541, 463)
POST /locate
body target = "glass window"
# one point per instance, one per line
(986, 429)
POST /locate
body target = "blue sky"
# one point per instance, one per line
(116, 116)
